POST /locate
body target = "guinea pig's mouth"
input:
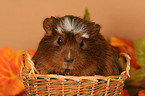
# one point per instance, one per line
(65, 72)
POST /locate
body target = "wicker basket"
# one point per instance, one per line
(60, 85)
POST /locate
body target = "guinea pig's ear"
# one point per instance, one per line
(97, 28)
(94, 29)
(49, 24)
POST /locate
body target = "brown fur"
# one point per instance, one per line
(96, 56)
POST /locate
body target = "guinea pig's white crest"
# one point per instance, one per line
(72, 25)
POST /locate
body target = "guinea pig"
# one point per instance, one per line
(74, 46)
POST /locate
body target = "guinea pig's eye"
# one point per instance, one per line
(59, 41)
(82, 44)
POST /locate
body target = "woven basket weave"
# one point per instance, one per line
(59, 85)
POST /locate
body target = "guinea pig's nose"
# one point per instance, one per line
(68, 60)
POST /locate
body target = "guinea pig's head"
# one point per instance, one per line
(71, 45)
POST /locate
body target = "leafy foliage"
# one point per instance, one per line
(10, 64)
(140, 53)
(126, 46)
(141, 93)
(87, 15)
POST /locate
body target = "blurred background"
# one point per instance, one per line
(21, 20)
(122, 22)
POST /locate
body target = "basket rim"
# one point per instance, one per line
(33, 72)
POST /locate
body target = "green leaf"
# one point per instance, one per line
(140, 54)
(87, 15)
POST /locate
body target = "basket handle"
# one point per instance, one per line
(28, 58)
(127, 57)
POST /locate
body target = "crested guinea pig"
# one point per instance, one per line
(74, 46)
